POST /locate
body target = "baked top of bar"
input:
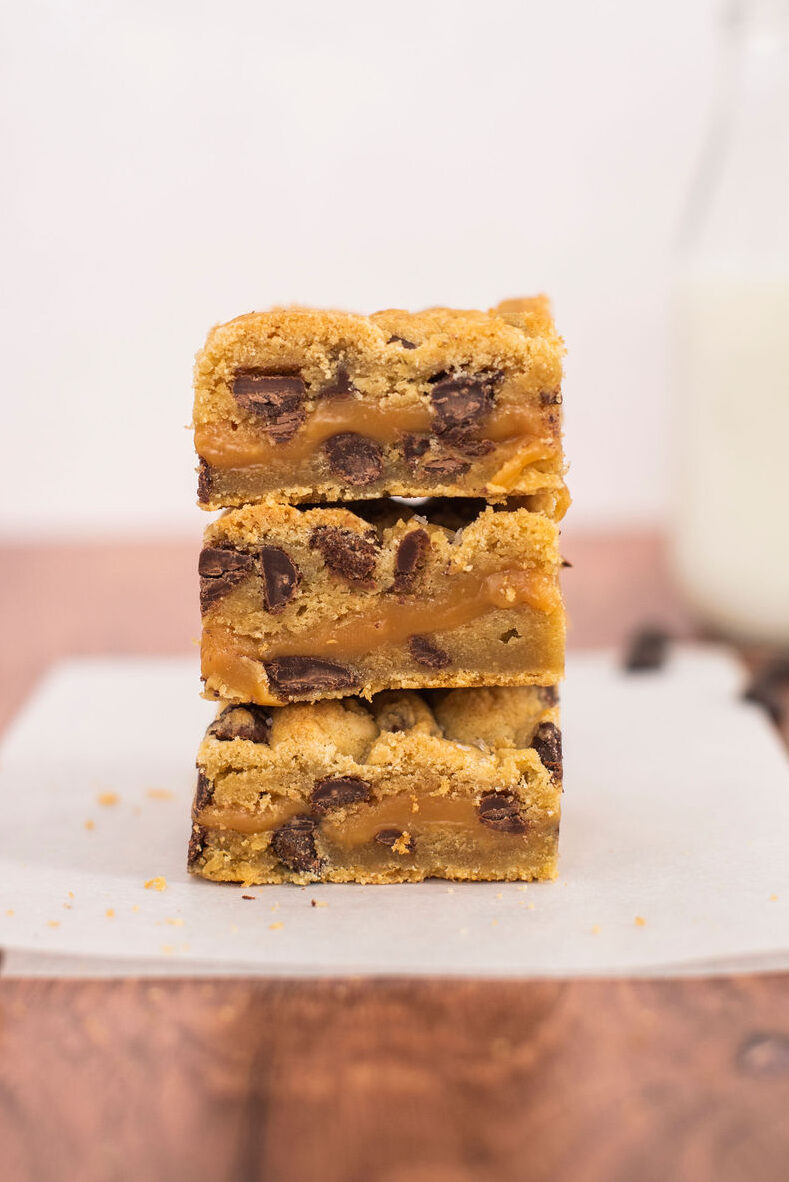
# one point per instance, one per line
(488, 735)
(517, 335)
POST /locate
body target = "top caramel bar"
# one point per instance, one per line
(302, 405)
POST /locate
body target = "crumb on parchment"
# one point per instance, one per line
(107, 798)
(318, 903)
(110, 913)
(90, 824)
(156, 884)
(159, 794)
(640, 922)
(773, 899)
(596, 929)
(53, 923)
(276, 927)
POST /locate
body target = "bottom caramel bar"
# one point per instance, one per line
(460, 784)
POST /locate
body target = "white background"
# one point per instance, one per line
(168, 164)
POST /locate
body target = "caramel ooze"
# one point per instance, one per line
(225, 654)
(358, 827)
(224, 446)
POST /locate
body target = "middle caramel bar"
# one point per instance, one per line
(300, 604)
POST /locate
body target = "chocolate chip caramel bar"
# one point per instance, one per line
(460, 784)
(317, 406)
(301, 603)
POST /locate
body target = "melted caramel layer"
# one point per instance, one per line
(469, 597)
(359, 826)
(223, 446)
(233, 660)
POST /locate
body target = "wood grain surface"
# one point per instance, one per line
(370, 1081)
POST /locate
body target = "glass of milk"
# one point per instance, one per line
(731, 520)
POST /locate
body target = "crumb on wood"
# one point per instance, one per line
(156, 884)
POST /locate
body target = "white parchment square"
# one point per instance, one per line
(676, 810)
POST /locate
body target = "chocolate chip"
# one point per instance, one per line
(340, 385)
(204, 483)
(249, 722)
(204, 793)
(391, 836)
(551, 398)
(280, 577)
(446, 466)
(197, 840)
(646, 651)
(294, 677)
(499, 811)
(426, 652)
(335, 792)
(410, 559)
(350, 555)
(768, 688)
(276, 399)
(549, 694)
(547, 742)
(354, 457)
(221, 568)
(294, 845)
(459, 400)
(461, 439)
(415, 446)
(401, 341)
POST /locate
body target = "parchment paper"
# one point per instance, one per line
(674, 845)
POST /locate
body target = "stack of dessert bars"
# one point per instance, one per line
(383, 628)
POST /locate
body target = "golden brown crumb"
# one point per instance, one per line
(107, 798)
(175, 921)
(596, 929)
(640, 921)
(53, 923)
(71, 894)
(275, 927)
(10, 911)
(773, 899)
(318, 903)
(168, 949)
(110, 913)
(135, 906)
(90, 824)
(159, 794)
(156, 884)
(403, 844)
